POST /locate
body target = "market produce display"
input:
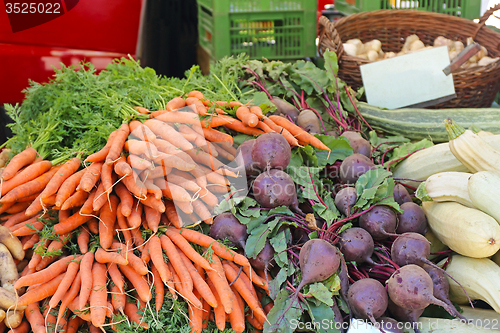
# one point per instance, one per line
(248, 200)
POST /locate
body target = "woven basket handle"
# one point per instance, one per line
(327, 31)
(485, 17)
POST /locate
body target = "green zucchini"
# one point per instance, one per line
(417, 124)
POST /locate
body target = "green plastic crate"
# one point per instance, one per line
(274, 29)
(469, 9)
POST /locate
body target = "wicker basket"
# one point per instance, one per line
(475, 86)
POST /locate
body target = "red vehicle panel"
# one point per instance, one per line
(94, 30)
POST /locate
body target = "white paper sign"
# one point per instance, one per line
(409, 79)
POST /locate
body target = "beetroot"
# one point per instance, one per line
(275, 188)
(345, 200)
(380, 222)
(358, 144)
(318, 260)
(356, 244)
(410, 287)
(368, 299)
(353, 167)
(410, 248)
(264, 258)
(441, 287)
(271, 151)
(412, 219)
(405, 315)
(401, 194)
(285, 109)
(226, 225)
(389, 325)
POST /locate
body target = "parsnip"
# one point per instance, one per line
(8, 269)
(12, 242)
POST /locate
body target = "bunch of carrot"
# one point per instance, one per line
(250, 120)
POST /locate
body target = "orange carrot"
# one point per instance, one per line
(218, 278)
(118, 299)
(137, 147)
(237, 317)
(90, 177)
(171, 191)
(86, 275)
(219, 313)
(93, 225)
(298, 132)
(83, 240)
(123, 226)
(168, 133)
(70, 295)
(74, 324)
(134, 185)
(195, 93)
(199, 282)
(263, 126)
(67, 281)
(116, 276)
(66, 170)
(159, 289)
(256, 279)
(20, 160)
(140, 131)
(178, 178)
(79, 311)
(216, 136)
(223, 153)
(132, 312)
(153, 218)
(141, 110)
(190, 118)
(117, 144)
(256, 110)
(31, 242)
(158, 171)
(188, 250)
(180, 269)
(107, 178)
(170, 149)
(249, 119)
(122, 168)
(87, 207)
(138, 281)
(107, 221)
(133, 261)
(33, 186)
(174, 161)
(292, 141)
(47, 274)
(73, 222)
(206, 241)
(153, 203)
(243, 291)
(35, 318)
(139, 163)
(134, 219)
(24, 327)
(101, 154)
(126, 199)
(29, 173)
(98, 295)
(41, 291)
(104, 257)
(78, 199)
(201, 210)
(26, 228)
(195, 316)
(191, 100)
(153, 189)
(175, 104)
(68, 187)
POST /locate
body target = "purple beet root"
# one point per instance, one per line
(441, 287)
(380, 222)
(275, 188)
(368, 299)
(226, 225)
(345, 200)
(356, 244)
(412, 219)
(401, 194)
(410, 287)
(405, 315)
(389, 325)
(271, 151)
(354, 166)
